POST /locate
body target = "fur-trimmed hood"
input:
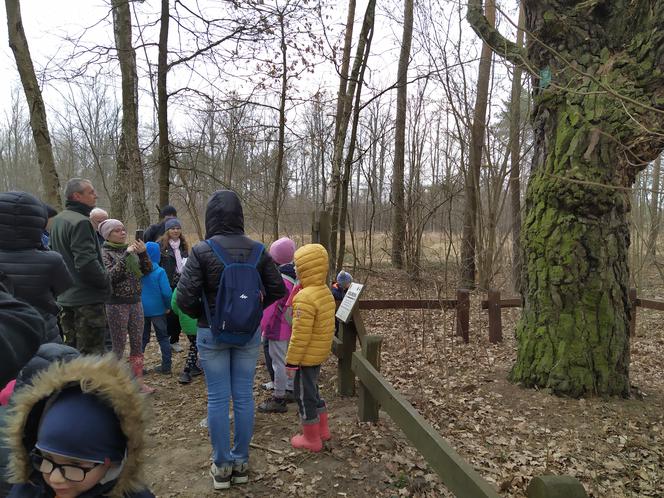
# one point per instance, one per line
(104, 376)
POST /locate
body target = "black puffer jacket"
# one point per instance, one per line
(37, 276)
(224, 223)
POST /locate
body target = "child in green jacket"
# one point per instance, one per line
(189, 326)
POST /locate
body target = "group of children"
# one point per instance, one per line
(143, 296)
(51, 459)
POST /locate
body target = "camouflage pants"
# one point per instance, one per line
(84, 327)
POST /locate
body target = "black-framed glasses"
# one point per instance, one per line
(69, 471)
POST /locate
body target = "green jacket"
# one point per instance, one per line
(189, 325)
(74, 238)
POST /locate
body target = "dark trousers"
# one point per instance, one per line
(192, 355)
(161, 331)
(173, 323)
(268, 358)
(309, 402)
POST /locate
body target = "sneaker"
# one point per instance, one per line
(221, 476)
(196, 371)
(290, 397)
(176, 347)
(161, 370)
(273, 405)
(268, 386)
(185, 378)
(240, 474)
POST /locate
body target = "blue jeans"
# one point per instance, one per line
(161, 331)
(229, 372)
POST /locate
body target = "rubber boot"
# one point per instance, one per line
(136, 363)
(324, 429)
(309, 439)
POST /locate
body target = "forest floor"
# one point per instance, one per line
(615, 447)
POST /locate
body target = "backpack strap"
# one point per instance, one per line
(219, 251)
(254, 257)
(256, 253)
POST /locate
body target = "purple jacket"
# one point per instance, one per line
(274, 325)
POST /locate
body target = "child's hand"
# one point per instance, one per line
(290, 372)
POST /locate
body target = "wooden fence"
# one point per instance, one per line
(494, 304)
(375, 392)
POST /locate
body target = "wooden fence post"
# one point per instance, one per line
(555, 487)
(632, 321)
(367, 405)
(345, 374)
(495, 318)
(463, 314)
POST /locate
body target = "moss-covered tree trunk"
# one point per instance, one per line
(598, 118)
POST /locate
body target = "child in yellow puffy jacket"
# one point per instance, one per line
(310, 344)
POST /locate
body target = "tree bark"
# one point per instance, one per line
(472, 183)
(515, 158)
(345, 181)
(281, 145)
(38, 122)
(653, 233)
(129, 140)
(398, 201)
(164, 154)
(344, 100)
(597, 121)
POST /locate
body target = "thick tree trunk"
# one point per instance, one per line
(597, 121)
(515, 158)
(38, 123)
(129, 138)
(398, 198)
(573, 333)
(164, 159)
(472, 185)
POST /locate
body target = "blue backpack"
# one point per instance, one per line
(238, 307)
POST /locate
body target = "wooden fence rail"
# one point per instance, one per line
(494, 305)
(376, 392)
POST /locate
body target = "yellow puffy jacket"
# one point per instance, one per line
(313, 309)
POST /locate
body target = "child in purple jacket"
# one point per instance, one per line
(276, 328)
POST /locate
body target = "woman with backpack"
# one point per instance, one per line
(228, 354)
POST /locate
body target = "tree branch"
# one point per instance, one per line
(500, 45)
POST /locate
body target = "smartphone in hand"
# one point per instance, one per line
(139, 234)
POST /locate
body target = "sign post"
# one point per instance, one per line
(349, 302)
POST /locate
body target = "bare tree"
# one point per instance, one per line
(19, 45)
(129, 155)
(399, 221)
(472, 190)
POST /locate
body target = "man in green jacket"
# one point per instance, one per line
(83, 317)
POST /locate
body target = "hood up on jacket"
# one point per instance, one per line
(103, 376)
(223, 214)
(22, 221)
(154, 253)
(311, 263)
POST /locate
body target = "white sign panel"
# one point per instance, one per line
(350, 299)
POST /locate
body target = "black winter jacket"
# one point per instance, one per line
(21, 332)
(38, 276)
(169, 264)
(224, 223)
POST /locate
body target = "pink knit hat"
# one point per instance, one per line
(107, 226)
(282, 251)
